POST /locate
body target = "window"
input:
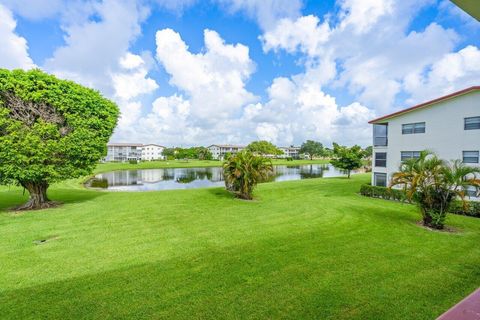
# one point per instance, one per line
(470, 156)
(472, 123)
(380, 159)
(380, 179)
(472, 192)
(380, 133)
(405, 155)
(412, 128)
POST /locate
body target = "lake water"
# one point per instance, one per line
(190, 178)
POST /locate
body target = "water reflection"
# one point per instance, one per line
(188, 178)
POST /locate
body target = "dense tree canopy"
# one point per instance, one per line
(50, 130)
(263, 147)
(200, 153)
(312, 148)
(347, 158)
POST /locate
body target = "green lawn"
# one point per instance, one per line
(310, 249)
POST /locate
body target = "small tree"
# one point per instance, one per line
(50, 130)
(367, 152)
(434, 183)
(264, 148)
(243, 171)
(312, 148)
(346, 158)
(204, 154)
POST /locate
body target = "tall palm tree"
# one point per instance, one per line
(434, 183)
(243, 171)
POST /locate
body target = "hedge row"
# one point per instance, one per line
(472, 208)
(383, 193)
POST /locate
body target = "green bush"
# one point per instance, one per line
(471, 208)
(383, 193)
(133, 161)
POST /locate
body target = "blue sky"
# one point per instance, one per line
(191, 72)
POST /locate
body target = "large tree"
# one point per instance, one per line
(264, 148)
(347, 158)
(312, 148)
(50, 130)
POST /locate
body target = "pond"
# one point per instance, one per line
(190, 178)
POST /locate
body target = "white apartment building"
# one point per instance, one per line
(219, 150)
(124, 152)
(152, 152)
(448, 126)
(290, 152)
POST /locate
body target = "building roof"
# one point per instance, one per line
(125, 145)
(290, 148)
(469, 6)
(153, 144)
(426, 104)
(226, 146)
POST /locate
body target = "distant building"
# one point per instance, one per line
(124, 152)
(290, 152)
(152, 152)
(220, 150)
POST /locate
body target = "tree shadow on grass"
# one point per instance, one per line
(16, 196)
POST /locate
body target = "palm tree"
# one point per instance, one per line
(243, 171)
(434, 183)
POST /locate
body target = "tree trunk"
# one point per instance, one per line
(38, 196)
(348, 174)
(427, 220)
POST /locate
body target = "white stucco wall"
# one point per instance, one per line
(444, 132)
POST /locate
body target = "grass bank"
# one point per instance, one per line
(310, 249)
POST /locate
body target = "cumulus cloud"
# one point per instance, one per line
(298, 110)
(14, 48)
(132, 80)
(96, 39)
(265, 12)
(213, 80)
(35, 9)
(367, 48)
(456, 70)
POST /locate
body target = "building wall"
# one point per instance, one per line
(218, 152)
(123, 153)
(444, 132)
(152, 152)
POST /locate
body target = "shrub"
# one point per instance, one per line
(383, 193)
(133, 161)
(243, 171)
(433, 184)
(469, 208)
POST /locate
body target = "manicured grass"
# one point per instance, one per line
(310, 249)
(111, 166)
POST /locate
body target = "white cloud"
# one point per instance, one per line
(94, 47)
(35, 9)
(306, 35)
(265, 12)
(367, 48)
(213, 80)
(14, 48)
(298, 110)
(132, 80)
(452, 72)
